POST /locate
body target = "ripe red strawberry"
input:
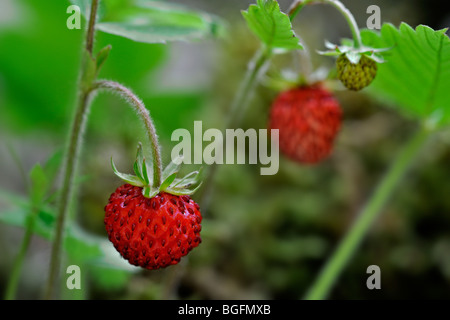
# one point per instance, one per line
(308, 119)
(152, 233)
(153, 226)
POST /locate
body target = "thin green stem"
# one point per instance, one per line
(13, 282)
(71, 159)
(256, 69)
(298, 6)
(91, 26)
(353, 238)
(70, 165)
(143, 112)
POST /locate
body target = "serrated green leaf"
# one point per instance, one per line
(272, 26)
(158, 22)
(416, 76)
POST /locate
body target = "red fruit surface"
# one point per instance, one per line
(308, 119)
(152, 233)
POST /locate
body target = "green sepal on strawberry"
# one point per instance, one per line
(154, 226)
(356, 66)
(143, 178)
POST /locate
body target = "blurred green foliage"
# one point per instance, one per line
(263, 236)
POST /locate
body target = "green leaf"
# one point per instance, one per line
(79, 244)
(416, 75)
(52, 165)
(158, 22)
(272, 26)
(110, 278)
(19, 217)
(39, 185)
(102, 55)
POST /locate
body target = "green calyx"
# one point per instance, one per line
(352, 53)
(144, 177)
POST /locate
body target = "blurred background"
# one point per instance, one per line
(264, 237)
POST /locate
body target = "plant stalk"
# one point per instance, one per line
(70, 166)
(91, 26)
(13, 282)
(71, 159)
(140, 108)
(353, 238)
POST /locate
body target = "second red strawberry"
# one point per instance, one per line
(308, 119)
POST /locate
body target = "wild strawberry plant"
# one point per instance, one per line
(151, 219)
(142, 21)
(405, 67)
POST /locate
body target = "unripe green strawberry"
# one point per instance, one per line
(356, 76)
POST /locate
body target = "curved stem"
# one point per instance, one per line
(353, 238)
(140, 108)
(256, 68)
(298, 6)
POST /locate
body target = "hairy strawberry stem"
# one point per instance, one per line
(299, 4)
(143, 112)
(353, 238)
(72, 153)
